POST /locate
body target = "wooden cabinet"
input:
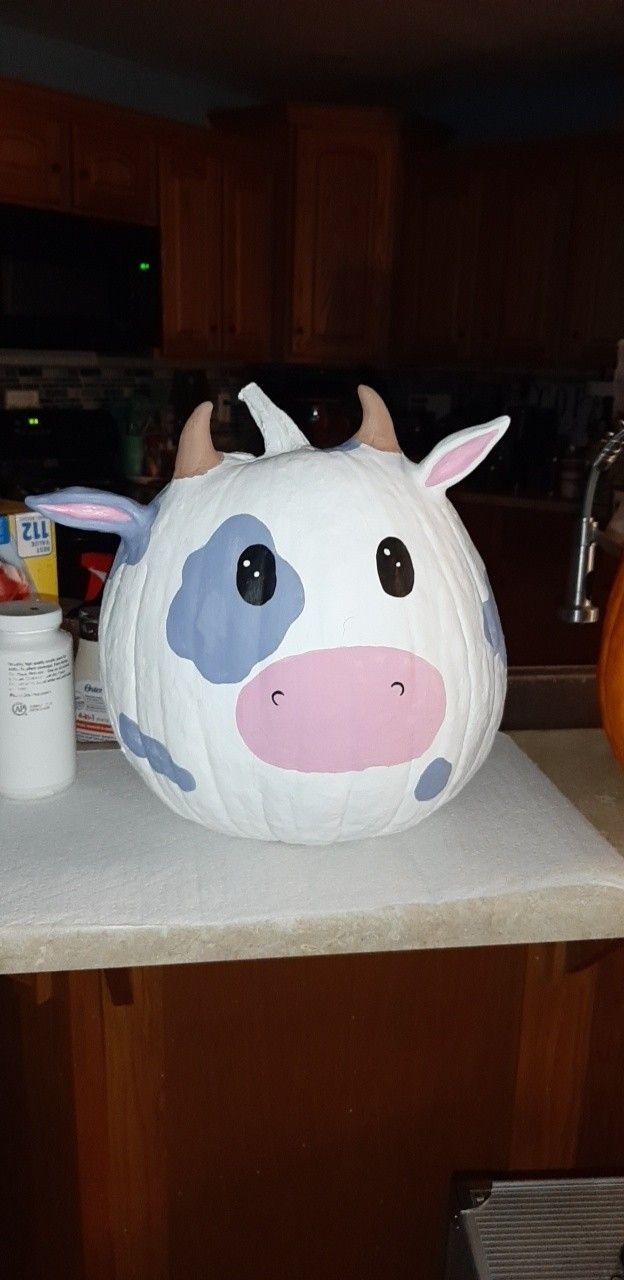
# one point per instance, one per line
(248, 257)
(436, 259)
(34, 157)
(594, 295)
(344, 203)
(66, 153)
(190, 220)
(521, 262)
(217, 249)
(114, 170)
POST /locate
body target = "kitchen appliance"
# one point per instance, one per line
(536, 1228)
(46, 449)
(71, 283)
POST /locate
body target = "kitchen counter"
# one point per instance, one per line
(104, 875)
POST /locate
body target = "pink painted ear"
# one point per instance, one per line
(94, 509)
(458, 455)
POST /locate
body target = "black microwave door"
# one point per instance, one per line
(69, 283)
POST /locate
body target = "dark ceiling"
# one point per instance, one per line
(309, 48)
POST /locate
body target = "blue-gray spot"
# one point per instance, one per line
(433, 780)
(492, 625)
(211, 624)
(346, 447)
(157, 756)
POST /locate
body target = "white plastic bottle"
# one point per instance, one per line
(92, 722)
(37, 735)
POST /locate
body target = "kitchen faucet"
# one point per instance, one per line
(578, 607)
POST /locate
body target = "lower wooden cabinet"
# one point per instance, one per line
(272, 1119)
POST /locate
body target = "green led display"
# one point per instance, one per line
(144, 266)
(33, 422)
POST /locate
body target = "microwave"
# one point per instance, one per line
(70, 283)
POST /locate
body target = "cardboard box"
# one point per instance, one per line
(33, 537)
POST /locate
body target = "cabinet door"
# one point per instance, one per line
(248, 236)
(523, 246)
(190, 221)
(436, 260)
(594, 312)
(34, 157)
(114, 171)
(343, 229)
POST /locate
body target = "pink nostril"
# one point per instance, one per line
(338, 710)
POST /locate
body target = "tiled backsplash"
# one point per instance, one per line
(426, 405)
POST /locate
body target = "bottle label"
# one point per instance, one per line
(92, 722)
(33, 681)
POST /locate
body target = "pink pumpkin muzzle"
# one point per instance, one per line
(342, 710)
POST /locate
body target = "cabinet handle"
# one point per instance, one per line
(56, 167)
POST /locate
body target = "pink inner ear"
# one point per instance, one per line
(90, 511)
(458, 461)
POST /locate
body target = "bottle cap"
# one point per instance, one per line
(29, 616)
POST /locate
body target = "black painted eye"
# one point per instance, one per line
(255, 574)
(395, 568)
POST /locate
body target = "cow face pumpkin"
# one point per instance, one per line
(301, 646)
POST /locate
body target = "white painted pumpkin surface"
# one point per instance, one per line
(302, 646)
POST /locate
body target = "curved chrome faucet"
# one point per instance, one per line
(579, 607)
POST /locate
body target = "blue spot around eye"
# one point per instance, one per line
(157, 755)
(433, 780)
(492, 626)
(211, 624)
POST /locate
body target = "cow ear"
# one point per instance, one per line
(458, 455)
(94, 509)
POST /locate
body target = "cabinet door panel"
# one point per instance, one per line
(114, 172)
(343, 219)
(436, 261)
(190, 190)
(594, 313)
(248, 230)
(521, 261)
(34, 158)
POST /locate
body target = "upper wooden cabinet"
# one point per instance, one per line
(34, 157)
(522, 255)
(436, 259)
(66, 153)
(114, 170)
(249, 230)
(217, 229)
(343, 234)
(190, 221)
(332, 204)
(594, 296)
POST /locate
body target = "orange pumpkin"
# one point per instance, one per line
(611, 668)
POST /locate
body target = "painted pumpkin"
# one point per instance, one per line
(611, 668)
(301, 646)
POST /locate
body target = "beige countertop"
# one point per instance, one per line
(104, 875)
